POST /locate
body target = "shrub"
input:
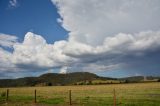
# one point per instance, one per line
(49, 84)
(126, 81)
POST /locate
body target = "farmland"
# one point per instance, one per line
(133, 94)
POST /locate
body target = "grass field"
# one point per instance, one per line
(137, 94)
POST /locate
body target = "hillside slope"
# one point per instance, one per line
(52, 79)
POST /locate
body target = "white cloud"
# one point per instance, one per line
(63, 70)
(104, 35)
(92, 19)
(13, 3)
(7, 40)
(35, 51)
(119, 44)
(5, 61)
(109, 31)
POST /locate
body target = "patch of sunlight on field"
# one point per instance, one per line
(138, 94)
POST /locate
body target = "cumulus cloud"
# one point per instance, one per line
(122, 51)
(33, 54)
(7, 40)
(92, 19)
(103, 36)
(119, 44)
(111, 34)
(34, 51)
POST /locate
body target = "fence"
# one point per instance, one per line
(72, 98)
(102, 95)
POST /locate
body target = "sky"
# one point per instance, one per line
(108, 37)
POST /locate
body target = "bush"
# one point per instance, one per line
(126, 81)
(49, 84)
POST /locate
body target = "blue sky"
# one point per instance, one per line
(26, 16)
(109, 38)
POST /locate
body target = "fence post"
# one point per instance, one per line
(7, 95)
(35, 96)
(70, 99)
(114, 91)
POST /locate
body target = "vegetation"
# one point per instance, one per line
(51, 79)
(131, 94)
(77, 78)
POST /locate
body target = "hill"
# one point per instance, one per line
(52, 79)
(76, 78)
(139, 79)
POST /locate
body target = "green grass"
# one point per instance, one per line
(138, 94)
(51, 101)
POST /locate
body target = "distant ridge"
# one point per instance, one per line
(75, 78)
(52, 79)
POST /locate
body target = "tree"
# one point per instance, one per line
(49, 84)
(126, 81)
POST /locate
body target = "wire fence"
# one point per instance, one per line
(81, 97)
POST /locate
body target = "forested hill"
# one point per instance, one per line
(52, 79)
(76, 78)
